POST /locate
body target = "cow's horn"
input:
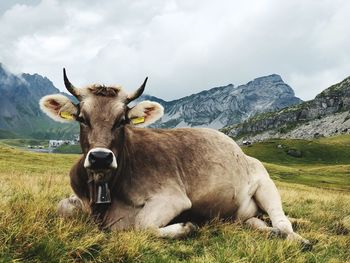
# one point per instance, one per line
(138, 92)
(73, 90)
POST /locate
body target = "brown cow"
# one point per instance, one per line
(142, 178)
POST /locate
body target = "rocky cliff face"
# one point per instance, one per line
(227, 105)
(318, 116)
(19, 106)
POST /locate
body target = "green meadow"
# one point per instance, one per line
(315, 188)
(324, 162)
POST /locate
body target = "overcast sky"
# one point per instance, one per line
(183, 46)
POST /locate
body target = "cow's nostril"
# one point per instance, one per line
(109, 158)
(100, 159)
(92, 157)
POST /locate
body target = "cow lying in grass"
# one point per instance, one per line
(142, 178)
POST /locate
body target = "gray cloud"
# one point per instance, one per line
(183, 46)
(5, 5)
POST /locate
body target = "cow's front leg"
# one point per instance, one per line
(160, 210)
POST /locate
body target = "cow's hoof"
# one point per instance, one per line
(190, 227)
(74, 200)
(69, 207)
(66, 209)
(275, 232)
(306, 245)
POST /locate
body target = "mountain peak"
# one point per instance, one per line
(271, 84)
(2, 70)
(220, 106)
(326, 115)
(273, 78)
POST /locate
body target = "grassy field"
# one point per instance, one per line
(324, 162)
(68, 149)
(23, 143)
(33, 183)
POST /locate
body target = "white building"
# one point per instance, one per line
(56, 143)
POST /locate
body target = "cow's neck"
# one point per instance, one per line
(99, 210)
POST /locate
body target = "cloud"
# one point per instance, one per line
(183, 46)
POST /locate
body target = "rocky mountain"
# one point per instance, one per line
(216, 107)
(328, 114)
(19, 109)
(227, 105)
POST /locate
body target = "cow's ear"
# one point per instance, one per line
(59, 108)
(145, 113)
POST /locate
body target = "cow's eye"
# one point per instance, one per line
(82, 120)
(118, 123)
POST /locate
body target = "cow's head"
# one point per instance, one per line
(102, 113)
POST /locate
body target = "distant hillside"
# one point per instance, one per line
(221, 106)
(7, 134)
(19, 107)
(323, 162)
(326, 115)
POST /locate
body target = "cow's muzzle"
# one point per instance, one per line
(100, 159)
(100, 164)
